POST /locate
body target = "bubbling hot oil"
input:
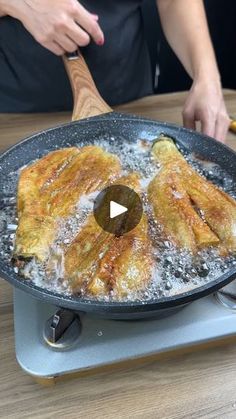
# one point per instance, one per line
(174, 271)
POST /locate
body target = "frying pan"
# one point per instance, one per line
(94, 119)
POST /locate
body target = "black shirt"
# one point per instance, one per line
(32, 79)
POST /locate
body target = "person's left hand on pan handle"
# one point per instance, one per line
(205, 103)
(58, 25)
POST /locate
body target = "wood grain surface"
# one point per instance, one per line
(194, 385)
(87, 100)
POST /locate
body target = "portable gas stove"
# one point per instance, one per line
(50, 346)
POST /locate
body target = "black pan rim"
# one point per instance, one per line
(120, 116)
(90, 305)
(82, 304)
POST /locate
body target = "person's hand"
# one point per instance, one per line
(58, 25)
(205, 103)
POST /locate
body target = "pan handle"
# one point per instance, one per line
(87, 100)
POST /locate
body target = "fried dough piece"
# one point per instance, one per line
(82, 257)
(36, 228)
(125, 269)
(50, 189)
(98, 263)
(173, 210)
(35, 178)
(194, 213)
(91, 170)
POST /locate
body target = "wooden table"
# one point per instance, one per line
(194, 385)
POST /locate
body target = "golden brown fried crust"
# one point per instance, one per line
(35, 178)
(125, 269)
(193, 213)
(179, 194)
(98, 263)
(51, 188)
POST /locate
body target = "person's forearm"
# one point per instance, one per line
(7, 7)
(185, 26)
(3, 8)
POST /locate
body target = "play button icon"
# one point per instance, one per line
(118, 209)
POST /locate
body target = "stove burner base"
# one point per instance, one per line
(106, 343)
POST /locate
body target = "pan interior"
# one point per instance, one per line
(113, 133)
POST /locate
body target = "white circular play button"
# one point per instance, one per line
(118, 209)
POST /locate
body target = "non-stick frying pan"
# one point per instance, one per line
(87, 103)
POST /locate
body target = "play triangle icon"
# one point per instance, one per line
(116, 209)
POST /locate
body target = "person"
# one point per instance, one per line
(33, 33)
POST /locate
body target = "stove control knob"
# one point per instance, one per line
(62, 329)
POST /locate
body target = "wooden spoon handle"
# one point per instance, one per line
(87, 100)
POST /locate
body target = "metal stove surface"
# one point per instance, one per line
(105, 342)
